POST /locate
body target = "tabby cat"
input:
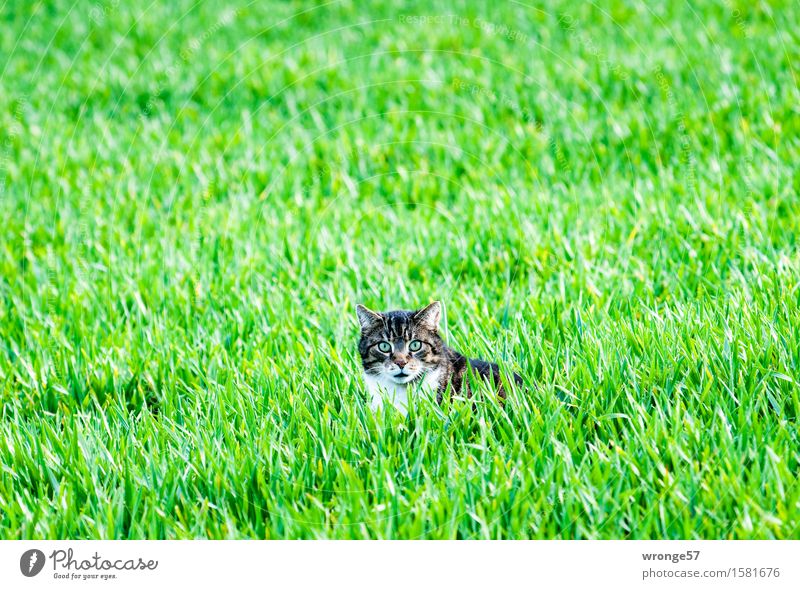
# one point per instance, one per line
(402, 350)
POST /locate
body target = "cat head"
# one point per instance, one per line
(400, 346)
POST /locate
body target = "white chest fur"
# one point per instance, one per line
(384, 390)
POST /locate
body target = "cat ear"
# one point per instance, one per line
(366, 317)
(429, 316)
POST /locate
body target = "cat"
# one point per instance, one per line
(401, 351)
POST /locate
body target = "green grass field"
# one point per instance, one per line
(195, 196)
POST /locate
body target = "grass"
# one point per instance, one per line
(195, 197)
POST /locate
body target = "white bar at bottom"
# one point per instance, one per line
(406, 564)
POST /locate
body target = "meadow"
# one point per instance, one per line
(194, 197)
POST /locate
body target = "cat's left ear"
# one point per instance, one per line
(367, 318)
(429, 316)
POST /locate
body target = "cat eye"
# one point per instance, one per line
(385, 347)
(415, 345)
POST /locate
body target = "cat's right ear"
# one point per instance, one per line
(367, 318)
(429, 316)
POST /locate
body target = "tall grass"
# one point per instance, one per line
(195, 196)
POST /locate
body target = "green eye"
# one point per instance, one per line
(385, 347)
(415, 345)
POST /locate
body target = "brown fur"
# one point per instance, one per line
(423, 325)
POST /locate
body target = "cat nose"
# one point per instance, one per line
(400, 362)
